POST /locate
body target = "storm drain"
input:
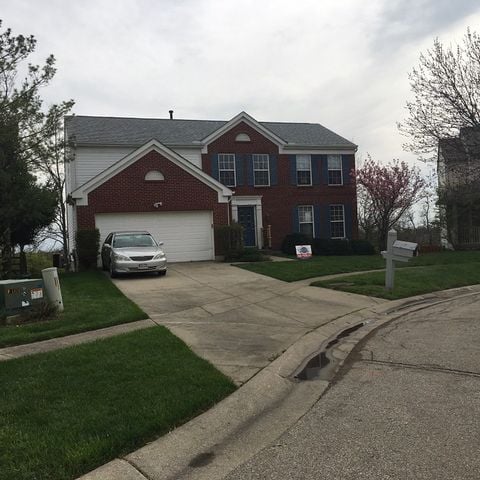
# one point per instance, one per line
(322, 365)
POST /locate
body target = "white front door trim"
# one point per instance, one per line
(250, 201)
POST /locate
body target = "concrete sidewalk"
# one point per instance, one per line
(8, 353)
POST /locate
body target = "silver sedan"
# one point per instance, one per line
(133, 252)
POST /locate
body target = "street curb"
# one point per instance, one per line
(216, 442)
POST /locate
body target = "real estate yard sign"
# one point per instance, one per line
(304, 251)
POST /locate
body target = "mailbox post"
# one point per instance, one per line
(397, 251)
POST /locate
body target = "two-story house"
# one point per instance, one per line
(180, 178)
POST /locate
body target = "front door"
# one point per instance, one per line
(246, 218)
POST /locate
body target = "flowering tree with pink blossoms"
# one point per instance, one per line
(385, 193)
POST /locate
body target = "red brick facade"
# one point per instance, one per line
(278, 201)
(128, 191)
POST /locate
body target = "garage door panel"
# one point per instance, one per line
(187, 236)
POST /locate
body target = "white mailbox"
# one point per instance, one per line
(405, 249)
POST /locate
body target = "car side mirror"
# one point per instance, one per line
(107, 245)
(160, 244)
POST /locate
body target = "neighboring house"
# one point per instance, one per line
(459, 189)
(180, 178)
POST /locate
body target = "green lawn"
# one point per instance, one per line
(320, 266)
(91, 301)
(66, 412)
(409, 282)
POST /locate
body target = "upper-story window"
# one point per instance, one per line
(261, 170)
(242, 137)
(304, 170)
(335, 175)
(226, 169)
(154, 176)
(337, 221)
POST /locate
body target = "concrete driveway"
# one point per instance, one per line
(238, 320)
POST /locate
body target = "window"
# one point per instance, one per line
(242, 137)
(226, 169)
(154, 175)
(133, 240)
(261, 170)
(304, 170)
(305, 220)
(335, 176)
(337, 221)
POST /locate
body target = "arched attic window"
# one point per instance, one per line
(242, 137)
(154, 176)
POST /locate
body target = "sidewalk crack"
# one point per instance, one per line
(137, 468)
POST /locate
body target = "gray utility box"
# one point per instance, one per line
(18, 295)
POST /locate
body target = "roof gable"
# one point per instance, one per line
(242, 117)
(81, 193)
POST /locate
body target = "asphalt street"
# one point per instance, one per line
(405, 406)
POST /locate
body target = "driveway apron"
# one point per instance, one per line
(238, 320)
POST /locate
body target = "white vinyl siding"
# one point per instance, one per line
(192, 155)
(187, 236)
(90, 161)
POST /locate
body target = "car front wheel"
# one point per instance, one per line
(113, 274)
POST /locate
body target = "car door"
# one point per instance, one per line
(106, 249)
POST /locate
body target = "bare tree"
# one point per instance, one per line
(25, 123)
(446, 88)
(48, 158)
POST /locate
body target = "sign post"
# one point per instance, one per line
(390, 271)
(397, 251)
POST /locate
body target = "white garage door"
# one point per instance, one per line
(187, 236)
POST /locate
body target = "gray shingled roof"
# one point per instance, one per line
(137, 131)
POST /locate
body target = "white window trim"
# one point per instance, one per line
(335, 169)
(228, 170)
(296, 171)
(313, 218)
(261, 170)
(338, 221)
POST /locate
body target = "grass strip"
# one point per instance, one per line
(91, 301)
(408, 282)
(329, 265)
(66, 412)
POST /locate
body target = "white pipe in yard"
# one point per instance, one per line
(52, 287)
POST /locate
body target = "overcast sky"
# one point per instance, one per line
(341, 63)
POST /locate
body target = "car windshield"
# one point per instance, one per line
(133, 240)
